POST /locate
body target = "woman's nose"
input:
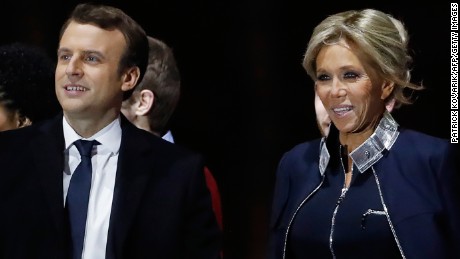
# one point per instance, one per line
(338, 88)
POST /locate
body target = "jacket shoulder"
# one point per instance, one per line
(424, 144)
(306, 152)
(420, 137)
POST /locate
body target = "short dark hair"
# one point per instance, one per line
(163, 79)
(27, 81)
(109, 18)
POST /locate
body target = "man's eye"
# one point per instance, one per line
(92, 59)
(64, 57)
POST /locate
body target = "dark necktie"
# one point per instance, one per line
(78, 196)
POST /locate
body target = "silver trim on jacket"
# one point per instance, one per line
(364, 157)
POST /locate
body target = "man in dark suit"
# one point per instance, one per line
(147, 197)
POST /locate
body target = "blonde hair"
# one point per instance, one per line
(381, 37)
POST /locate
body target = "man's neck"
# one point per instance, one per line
(88, 126)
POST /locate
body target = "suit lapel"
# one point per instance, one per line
(133, 174)
(49, 160)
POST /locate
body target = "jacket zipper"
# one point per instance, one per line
(344, 190)
(342, 196)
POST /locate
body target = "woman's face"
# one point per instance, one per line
(349, 88)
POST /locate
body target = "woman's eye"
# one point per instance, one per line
(323, 77)
(350, 75)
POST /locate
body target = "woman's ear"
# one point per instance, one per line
(387, 89)
(130, 78)
(145, 102)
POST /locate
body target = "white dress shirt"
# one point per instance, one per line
(104, 161)
(168, 137)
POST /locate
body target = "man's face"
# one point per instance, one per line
(8, 119)
(88, 82)
(322, 118)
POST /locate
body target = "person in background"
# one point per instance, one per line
(371, 189)
(322, 118)
(154, 100)
(90, 184)
(26, 86)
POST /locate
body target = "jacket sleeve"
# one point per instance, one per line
(203, 238)
(280, 196)
(449, 177)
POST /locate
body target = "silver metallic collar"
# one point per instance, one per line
(369, 152)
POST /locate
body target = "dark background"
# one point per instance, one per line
(245, 97)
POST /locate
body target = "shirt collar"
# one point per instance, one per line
(369, 152)
(168, 137)
(109, 137)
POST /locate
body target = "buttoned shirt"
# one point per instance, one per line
(104, 161)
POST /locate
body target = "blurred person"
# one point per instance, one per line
(322, 118)
(154, 100)
(88, 183)
(26, 86)
(371, 189)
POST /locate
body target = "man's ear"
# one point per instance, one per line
(130, 78)
(144, 102)
(22, 121)
(387, 89)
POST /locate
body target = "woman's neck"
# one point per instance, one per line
(353, 140)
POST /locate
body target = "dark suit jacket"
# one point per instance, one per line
(419, 177)
(161, 206)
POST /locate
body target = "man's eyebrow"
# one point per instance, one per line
(60, 50)
(93, 52)
(85, 52)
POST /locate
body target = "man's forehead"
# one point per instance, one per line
(91, 38)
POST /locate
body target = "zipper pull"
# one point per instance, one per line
(342, 195)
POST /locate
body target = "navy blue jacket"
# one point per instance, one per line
(419, 177)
